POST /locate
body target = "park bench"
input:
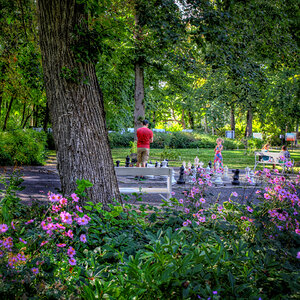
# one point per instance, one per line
(274, 159)
(132, 171)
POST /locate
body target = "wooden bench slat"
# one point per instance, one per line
(142, 171)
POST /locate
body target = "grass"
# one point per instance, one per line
(234, 159)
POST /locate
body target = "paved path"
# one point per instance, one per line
(39, 180)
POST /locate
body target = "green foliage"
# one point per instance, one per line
(228, 251)
(117, 139)
(22, 147)
(255, 144)
(10, 207)
(176, 140)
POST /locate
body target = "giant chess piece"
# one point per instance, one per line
(167, 163)
(247, 172)
(196, 161)
(225, 176)
(181, 175)
(157, 164)
(118, 163)
(236, 177)
(127, 161)
(201, 164)
(252, 179)
(210, 164)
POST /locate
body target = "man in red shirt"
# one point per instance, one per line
(144, 138)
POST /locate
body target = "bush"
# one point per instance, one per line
(255, 144)
(22, 147)
(118, 140)
(177, 140)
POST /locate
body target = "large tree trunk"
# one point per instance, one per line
(75, 102)
(248, 131)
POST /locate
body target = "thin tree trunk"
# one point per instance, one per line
(46, 118)
(248, 131)
(76, 107)
(191, 119)
(139, 106)
(12, 99)
(23, 113)
(232, 118)
(139, 91)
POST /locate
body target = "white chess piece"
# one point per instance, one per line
(225, 176)
(184, 164)
(196, 162)
(189, 165)
(201, 164)
(252, 178)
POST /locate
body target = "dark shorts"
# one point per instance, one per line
(142, 155)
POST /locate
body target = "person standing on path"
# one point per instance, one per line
(144, 138)
(218, 155)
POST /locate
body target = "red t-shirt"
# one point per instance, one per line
(144, 135)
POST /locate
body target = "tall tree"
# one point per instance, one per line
(75, 99)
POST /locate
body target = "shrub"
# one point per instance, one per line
(118, 140)
(22, 147)
(254, 144)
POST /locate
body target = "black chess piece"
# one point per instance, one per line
(118, 163)
(210, 164)
(181, 176)
(127, 161)
(150, 162)
(236, 177)
(133, 161)
(156, 164)
(167, 163)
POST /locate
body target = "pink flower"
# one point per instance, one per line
(74, 197)
(53, 197)
(235, 194)
(72, 261)
(298, 255)
(186, 210)
(21, 240)
(12, 225)
(63, 201)
(70, 233)
(79, 208)
(172, 193)
(61, 245)
(267, 196)
(202, 200)
(83, 238)
(258, 192)
(71, 251)
(213, 216)
(249, 209)
(66, 217)
(243, 218)
(3, 228)
(29, 222)
(44, 243)
(56, 208)
(297, 231)
(180, 201)
(185, 223)
(35, 270)
(82, 221)
(202, 219)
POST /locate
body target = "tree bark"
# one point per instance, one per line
(248, 131)
(191, 119)
(75, 102)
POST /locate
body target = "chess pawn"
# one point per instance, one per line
(207, 170)
(236, 177)
(157, 164)
(164, 164)
(184, 164)
(247, 171)
(219, 178)
(225, 172)
(201, 164)
(252, 179)
(189, 165)
(127, 161)
(118, 163)
(210, 164)
(181, 175)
